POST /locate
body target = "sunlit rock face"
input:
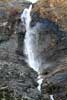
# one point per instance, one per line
(54, 10)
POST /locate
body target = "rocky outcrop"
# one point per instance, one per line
(55, 82)
(17, 79)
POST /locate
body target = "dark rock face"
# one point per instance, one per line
(55, 77)
(20, 31)
(56, 85)
(54, 50)
(17, 79)
(20, 80)
(55, 80)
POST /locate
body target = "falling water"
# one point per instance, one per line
(32, 48)
(26, 18)
(33, 1)
(51, 97)
(31, 44)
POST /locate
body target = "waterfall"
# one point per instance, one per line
(26, 18)
(30, 41)
(31, 44)
(33, 1)
(34, 43)
(51, 97)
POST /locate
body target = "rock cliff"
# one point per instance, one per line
(17, 79)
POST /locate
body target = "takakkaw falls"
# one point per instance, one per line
(33, 49)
